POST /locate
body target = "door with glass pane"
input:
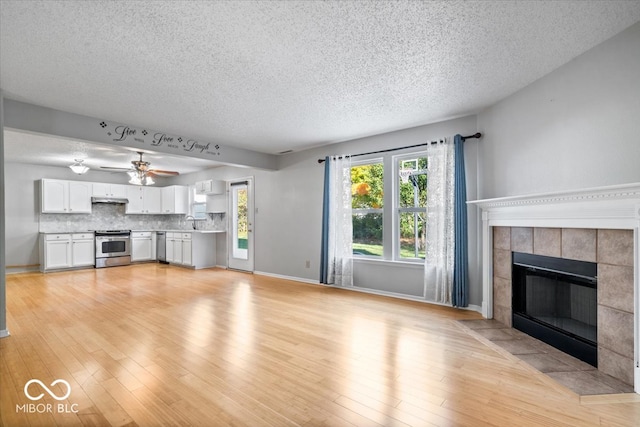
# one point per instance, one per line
(241, 225)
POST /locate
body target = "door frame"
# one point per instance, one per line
(249, 264)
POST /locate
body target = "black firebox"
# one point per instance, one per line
(555, 301)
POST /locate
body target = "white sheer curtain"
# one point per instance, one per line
(438, 268)
(340, 250)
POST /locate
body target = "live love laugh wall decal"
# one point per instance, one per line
(122, 133)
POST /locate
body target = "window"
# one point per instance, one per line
(411, 209)
(367, 202)
(390, 225)
(198, 206)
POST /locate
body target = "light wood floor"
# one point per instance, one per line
(155, 345)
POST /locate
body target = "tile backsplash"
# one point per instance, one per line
(112, 217)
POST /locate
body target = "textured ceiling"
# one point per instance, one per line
(273, 76)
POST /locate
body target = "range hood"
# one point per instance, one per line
(106, 199)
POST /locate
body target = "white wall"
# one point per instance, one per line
(577, 127)
(289, 202)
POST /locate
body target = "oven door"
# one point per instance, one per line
(107, 247)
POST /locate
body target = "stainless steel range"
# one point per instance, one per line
(113, 247)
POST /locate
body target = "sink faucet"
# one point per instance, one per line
(193, 219)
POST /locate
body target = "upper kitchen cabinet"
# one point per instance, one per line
(175, 199)
(216, 203)
(101, 189)
(152, 200)
(144, 200)
(59, 196)
(210, 186)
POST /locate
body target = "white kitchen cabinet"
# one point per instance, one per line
(83, 250)
(175, 199)
(143, 200)
(59, 196)
(134, 195)
(174, 248)
(168, 251)
(55, 251)
(216, 203)
(66, 250)
(101, 189)
(142, 246)
(191, 249)
(186, 249)
(210, 186)
(152, 200)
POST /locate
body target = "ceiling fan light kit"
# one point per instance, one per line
(78, 167)
(140, 173)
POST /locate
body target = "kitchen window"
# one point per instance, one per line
(198, 206)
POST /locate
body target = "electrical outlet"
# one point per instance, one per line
(307, 264)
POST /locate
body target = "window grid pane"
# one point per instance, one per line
(367, 201)
(411, 209)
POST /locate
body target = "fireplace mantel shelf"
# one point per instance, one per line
(612, 192)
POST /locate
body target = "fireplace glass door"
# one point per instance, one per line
(555, 300)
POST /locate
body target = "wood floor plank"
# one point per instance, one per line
(153, 344)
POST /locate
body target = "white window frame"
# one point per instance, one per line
(391, 207)
(193, 201)
(398, 162)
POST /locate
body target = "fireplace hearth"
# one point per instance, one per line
(555, 300)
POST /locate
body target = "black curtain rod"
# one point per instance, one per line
(464, 138)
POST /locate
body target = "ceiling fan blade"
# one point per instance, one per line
(160, 172)
(115, 169)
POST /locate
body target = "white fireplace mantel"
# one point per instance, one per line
(611, 207)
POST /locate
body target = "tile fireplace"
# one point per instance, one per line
(599, 227)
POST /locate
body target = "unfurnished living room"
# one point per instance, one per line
(319, 213)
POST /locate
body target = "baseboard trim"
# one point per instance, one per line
(471, 307)
(405, 297)
(17, 269)
(4, 333)
(281, 276)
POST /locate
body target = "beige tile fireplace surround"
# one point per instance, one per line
(612, 250)
(600, 225)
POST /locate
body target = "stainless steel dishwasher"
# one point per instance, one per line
(161, 247)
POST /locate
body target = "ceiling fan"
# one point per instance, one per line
(141, 173)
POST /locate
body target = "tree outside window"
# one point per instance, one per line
(367, 201)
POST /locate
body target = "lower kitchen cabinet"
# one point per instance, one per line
(143, 244)
(83, 249)
(61, 251)
(56, 250)
(191, 249)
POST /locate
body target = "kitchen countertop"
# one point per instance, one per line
(209, 231)
(67, 232)
(170, 231)
(188, 231)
